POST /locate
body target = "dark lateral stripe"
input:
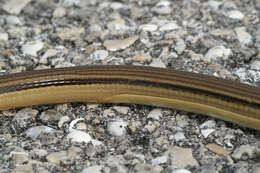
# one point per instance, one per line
(32, 85)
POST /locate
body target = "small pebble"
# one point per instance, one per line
(115, 45)
(25, 116)
(218, 52)
(181, 171)
(117, 25)
(155, 114)
(207, 132)
(48, 54)
(243, 36)
(34, 132)
(32, 48)
(159, 160)
(147, 168)
(57, 157)
(116, 5)
(20, 157)
(244, 150)
(214, 4)
(255, 65)
(92, 169)
(15, 6)
(256, 169)
(149, 27)
(169, 27)
(79, 136)
(99, 55)
(3, 37)
(59, 12)
(23, 169)
(14, 20)
(150, 127)
(71, 34)
(141, 57)
(122, 109)
(117, 128)
(181, 157)
(208, 124)
(179, 136)
(217, 149)
(235, 14)
(63, 120)
(162, 7)
(50, 115)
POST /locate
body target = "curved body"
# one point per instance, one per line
(224, 99)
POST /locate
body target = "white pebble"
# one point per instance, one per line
(149, 27)
(117, 128)
(31, 48)
(207, 132)
(159, 160)
(181, 171)
(79, 136)
(155, 114)
(243, 36)
(235, 14)
(218, 52)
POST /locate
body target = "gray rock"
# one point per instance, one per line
(155, 114)
(255, 65)
(214, 4)
(24, 117)
(218, 52)
(20, 157)
(207, 132)
(79, 136)
(162, 7)
(116, 5)
(15, 6)
(181, 171)
(99, 55)
(71, 3)
(180, 46)
(32, 48)
(257, 4)
(92, 169)
(148, 27)
(181, 157)
(208, 124)
(243, 36)
(59, 12)
(159, 160)
(235, 14)
(48, 54)
(72, 153)
(50, 116)
(179, 136)
(71, 34)
(122, 109)
(23, 169)
(256, 169)
(146, 168)
(3, 36)
(14, 20)
(169, 26)
(34, 132)
(244, 152)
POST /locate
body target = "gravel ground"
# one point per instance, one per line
(215, 37)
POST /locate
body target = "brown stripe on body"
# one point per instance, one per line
(144, 83)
